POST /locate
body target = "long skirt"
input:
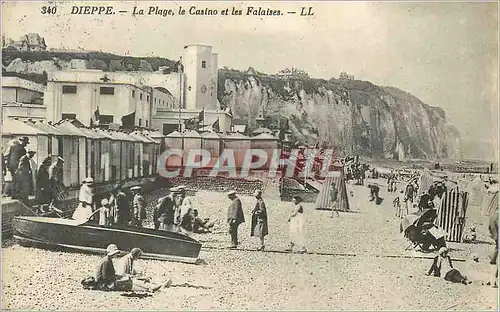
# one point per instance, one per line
(82, 213)
(297, 234)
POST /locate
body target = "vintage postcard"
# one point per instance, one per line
(249, 155)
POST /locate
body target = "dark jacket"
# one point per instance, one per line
(235, 212)
(165, 211)
(105, 276)
(16, 152)
(123, 207)
(259, 215)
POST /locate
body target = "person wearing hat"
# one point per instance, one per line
(164, 212)
(139, 207)
(104, 213)
(442, 264)
(105, 276)
(86, 200)
(56, 180)
(235, 217)
(296, 226)
(23, 179)
(119, 206)
(16, 150)
(34, 170)
(259, 227)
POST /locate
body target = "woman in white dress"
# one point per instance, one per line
(297, 225)
(86, 200)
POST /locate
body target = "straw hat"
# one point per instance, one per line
(104, 202)
(257, 193)
(174, 190)
(112, 250)
(231, 193)
(60, 158)
(135, 188)
(88, 180)
(24, 139)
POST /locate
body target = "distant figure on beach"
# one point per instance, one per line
(104, 213)
(374, 190)
(334, 199)
(139, 207)
(86, 200)
(259, 226)
(235, 217)
(297, 226)
(164, 213)
(56, 177)
(119, 206)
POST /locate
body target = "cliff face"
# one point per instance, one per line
(350, 116)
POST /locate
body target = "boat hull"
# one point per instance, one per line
(158, 245)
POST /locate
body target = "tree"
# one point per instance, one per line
(345, 76)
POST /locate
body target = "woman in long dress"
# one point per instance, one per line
(86, 200)
(297, 225)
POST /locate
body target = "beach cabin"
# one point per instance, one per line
(268, 143)
(237, 144)
(212, 142)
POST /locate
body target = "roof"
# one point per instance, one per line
(141, 137)
(16, 127)
(191, 134)
(70, 128)
(48, 128)
(210, 135)
(154, 134)
(265, 136)
(262, 130)
(175, 134)
(236, 136)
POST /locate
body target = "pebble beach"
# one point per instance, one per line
(356, 261)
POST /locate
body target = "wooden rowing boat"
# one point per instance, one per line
(94, 238)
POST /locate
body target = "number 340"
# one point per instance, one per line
(48, 10)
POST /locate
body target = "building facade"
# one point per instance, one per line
(106, 97)
(22, 99)
(15, 89)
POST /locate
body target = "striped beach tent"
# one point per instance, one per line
(452, 214)
(334, 179)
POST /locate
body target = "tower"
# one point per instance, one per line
(200, 68)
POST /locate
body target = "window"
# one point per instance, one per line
(68, 116)
(203, 64)
(107, 90)
(69, 89)
(140, 122)
(147, 98)
(106, 119)
(146, 123)
(133, 93)
(140, 96)
(155, 100)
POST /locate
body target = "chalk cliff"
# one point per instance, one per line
(351, 116)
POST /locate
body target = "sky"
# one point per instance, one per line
(446, 53)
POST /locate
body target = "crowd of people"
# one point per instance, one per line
(22, 177)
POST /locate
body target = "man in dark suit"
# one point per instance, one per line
(15, 153)
(235, 217)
